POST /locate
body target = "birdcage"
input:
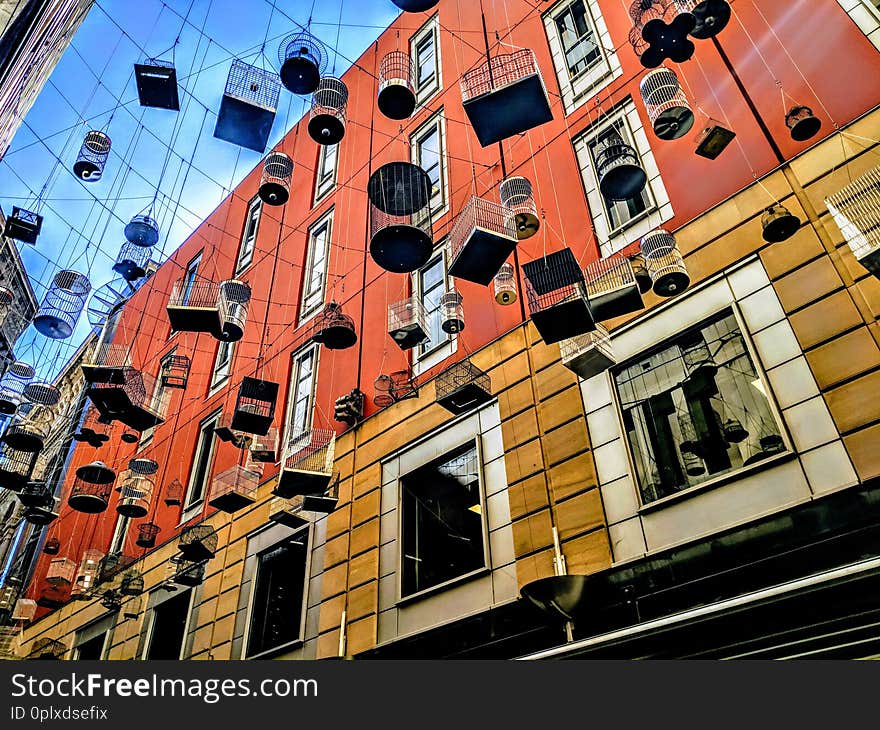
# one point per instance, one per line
(234, 300)
(61, 571)
(234, 489)
(712, 16)
(856, 211)
(334, 329)
(6, 300)
(699, 365)
(128, 401)
(146, 535)
(802, 123)
(142, 230)
(407, 323)
(255, 406)
(247, 110)
(135, 495)
(174, 493)
(28, 433)
(778, 224)
(189, 573)
(397, 386)
(111, 599)
(640, 272)
(621, 176)
(734, 431)
(504, 285)
(557, 295)
(143, 465)
(303, 59)
(397, 94)
(89, 498)
(198, 542)
(462, 387)
(517, 197)
(401, 235)
(47, 648)
(12, 385)
(106, 363)
(264, 449)
(89, 165)
(666, 104)
(16, 467)
(303, 509)
(713, 140)
(132, 584)
(306, 462)
(131, 262)
(664, 263)
(42, 514)
(275, 181)
(175, 371)
(23, 225)
(42, 393)
(87, 575)
(52, 546)
(224, 431)
(157, 84)
(62, 304)
(612, 288)
(25, 609)
(53, 597)
(194, 306)
(34, 494)
(452, 312)
(660, 31)
(482, 238)
(131, 609)
(327, 117)
(415, 6)
(505, 96)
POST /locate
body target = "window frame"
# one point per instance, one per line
(191, 270)
(160, 400)
(436, 123)
(307, 308)
(191, 506)
(248, 244)
(295, 362)
(151, 624)
(106, 634)
(218, 378)
(120, 534)
(325, 184)
(432, 87)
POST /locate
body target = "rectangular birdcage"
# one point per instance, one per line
(88, 573)
(46, 648)
(25, 609)
(198, 542)
(856, 210)
(194, 306)
(255, 406)
(407, 323)
(52, 596)
(612, 288)
(247, 110)
(61, 571)
(306, 463)
(264, 449)
(8, 642)
(188, 572)
(462, 387)
(157, 84)
(557, 296)
(175, 371)
(127, 402)
(106, 363)
(505, 96)
(481, 240)
(23, 225)
(303, 509)
(234, 489)
(588, 354)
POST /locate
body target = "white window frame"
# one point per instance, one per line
(249, 235)
(425, 358)
(866, 16)
(160, 399)
(324, 184)
(105, 646)
(436, 123)
(148, 639)
(221, 372)
(120, 533)
(192, 507)
(292, 393)
(659, 209)
(577, 90)
(431, 28)
(310, 302)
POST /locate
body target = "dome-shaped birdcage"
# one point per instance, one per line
(667, 106)
(415, 6)
(16, 467)
(135, 495)
(198, 542)
(334, 329)
(621, 176)
(62, 304)
(88, 497)
(504, 285)
(52, 546)
(6, 300)
(452, 312)
(96, 472)
(712, 16)
(143, 465)
(28, 433)
(34, 493)
(303, 60)
(402, 243)
(802, 123)
(275, 182)
(42, 393)
(517, 196)
(132, 584)
(397, 94)
(13, 384)
(234, 299)
(664, 263)
(327, 116)
(89, 165)
(174, 493)
(778, 224)
(660, 31)
(131, 263)
(142, 230)
(734, 431)
(146, 537)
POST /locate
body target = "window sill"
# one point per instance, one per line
(190, 512)
(275, 651)
(403, 601)
(217, 387)
(427, 360)
(321, 196)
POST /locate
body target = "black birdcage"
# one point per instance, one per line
(34, 494)
(255, 406)
(157, 84)
(303, 59)
(349, 408)
(802, 123)
(247, 111)
(47, 648)
(23, 225)
(713, 139)
(42, 514)
(132, 584)
(198, 542)
(111, 600)
(89, 498)
(52, 546)
(96, 472)
(42, 393)
(712, 16)
(415, 6)
(463, 387)
(130, 437)
(612, 288)
(778, 224)
(146, 537)
(226, 433)
(131, 263)
(128, 401)
(621, 176)
(7, 298)
(482, 238)
(334, 329)
(89, 165)
(505, 96)
(275, 181)
(452, 312)
(557, 295)
(13, 384)
(62, 304)
(401, 238)
(306, 463)
(660, 31)
(397, 386)
(189, 573)
(194, 306)
(234, 300)
(234, 489)
(142, 230)
(174, 493)
(175, 371)
(327, 116)
(397, 94)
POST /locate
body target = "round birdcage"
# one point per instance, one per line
(42, 393)
(52, 546)
(143, 465)
(397, 94)
(147, 533)
(89, 165)
(664, 263)
(400, 244)
(640, 273)
(62, 304)
(734, 431)
(28, 433)
(778, 224)
(303, 59)
(335, 329)
(504, 285)
(452, 312)
(131, 263)
(6, 300)
(399, 188)
(88, 497)
(415, 6)
(517, 196)
(136, 494)
(382, 391)
(327, 116)
(667, 106)
(96, 472)
(142, 230)
(660, 31)
(802, 123)
(236, 295)
(621, 176)
(13, 384)
(275, 182)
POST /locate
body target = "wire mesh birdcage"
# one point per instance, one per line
(334, 329)
(856, 211)
(612, 288)
(452, 312)
(397, 94)
(247, 110)
(156, 82)
(517, 196)
(93, 154)
(6, 300)
(234, 489)
(802, 123)
(131, 262)
(47, 648)
(303, 60)
(275, 181)
(25, 609)
(557, 296)
(88, 573)
(396, 386)
(175, 371)
(778, 224)
(415, 6)
(481, 239)
(194, 306)
(106, 363)
(127, 401)
(52, 546)
(198, 542)
(62, 305)
(588, 354)
(264, 449)
(664, 263)
(135, 495)
(42, 393)
(306, 462)
(61, 571)
(174, 493)
(89, 498)
(34, 493)
(327, 116)
(143, 465)
(234, 302)
(640, 272)
(23, 225)
(146, 535)
(407, 323)
(13, 384)
(667, 106)
(505, 96)
(621, 176)
(142, 230)
(462, 387)
(28, 432)
(504, 285)
(304, 508)
(96, 472)
(255, 406)
(660, 31)
(712, 16)
(697, 359)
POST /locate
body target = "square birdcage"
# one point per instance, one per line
(303, 509)
(462, 387)
(247, 110)
(47, 648)
(127, 402)
(157, 84)
(175, 371)
(198, 542)
(25, 609)
(264, 449)
(588, 354)
(856, 211)
(23, 225)
(557, 296)
(255, 406)
(61, 571)
(505, 96)
(194, 306)
(53, 596)
(408, 323)
(106, 363)
(306, 463)
(188, 572)
(481, 240)
(234, 489)
(612, 288)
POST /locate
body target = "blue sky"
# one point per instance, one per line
(82, 233)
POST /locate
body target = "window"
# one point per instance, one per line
(189, 277)
(168, 627)
(315, 275)
(91, 650)
(160, 398)
(425, 52)
(249, 236)
(90, 642)
(120, 532)
(578, 38)
(431, 285)
(695, 410)
(428, 152)
(222, 363)
(277, 604)
(443, 532)
(325, 175)
(301, 393)
(202, 460)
